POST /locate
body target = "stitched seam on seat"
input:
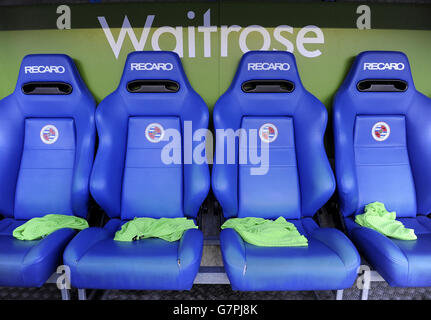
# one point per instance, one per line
(50, 149)
(423, 224)
(245, 254)
(336, 253)
(388, 258)
(42, 258)
(244, 251)
(178, 257)
(272, 165)
(272, 148)
(5, 227)
(87, 250)
(22, 262)
(20, 159)
(245, 260)
(408, 263)
(388, 276)
(399, 164)
(394, 146)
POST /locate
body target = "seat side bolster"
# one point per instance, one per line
(380, 244)
(196, 175)
(224, 189)
(233, 248)
(198, 184)
(224, 177)
(343, 124)
(424, 221)
(10, 152)
(112, 226)
(309, 226)
(107, 173)
(191, 239)
(316, 178)
(48, 245)
(340, 244)
(82, 243)
(84, 164)
(383, 254)
(42, 259)
(418, 122)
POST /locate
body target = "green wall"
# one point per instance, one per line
(32, 29)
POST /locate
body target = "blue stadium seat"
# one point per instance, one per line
(47, 137)
(382, 129)
(130, 180)
(267, 96)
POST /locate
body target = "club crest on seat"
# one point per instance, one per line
(49, 134)
(268, 132)
(381, 131)
(154, 132)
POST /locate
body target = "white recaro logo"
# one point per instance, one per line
(148, 66)
(266, 66)
(44, 69)
(398, 66)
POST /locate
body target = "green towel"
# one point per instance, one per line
(376, 217)
(169, 229)
(267, 233)
(38, 228)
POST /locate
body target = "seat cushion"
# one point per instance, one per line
(329, 262)
(97, 261)
(401, 263)
(29, 263)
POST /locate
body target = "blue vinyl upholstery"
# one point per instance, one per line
(299, 181)
(129, 180)
(394, 170)
(43, 171)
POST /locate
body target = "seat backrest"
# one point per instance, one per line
(47, 137)
(267, 100)
(136, 125)
(382, 132)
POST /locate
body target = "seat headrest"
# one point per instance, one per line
(42, 68)
(153, 65)
(267, 65)
(380, 65)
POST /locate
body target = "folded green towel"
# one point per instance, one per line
(267, 233)
(376, 217)
(38, 228)
(169, 229)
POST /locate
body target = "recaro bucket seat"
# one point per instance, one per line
(47, 140)
(267, 96)
(382, 130)
(130, 179)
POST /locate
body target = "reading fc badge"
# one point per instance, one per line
(154, 132)
(381, 131)
(268, 132)
(49, 134)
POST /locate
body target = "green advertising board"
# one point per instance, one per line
(211, 36)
